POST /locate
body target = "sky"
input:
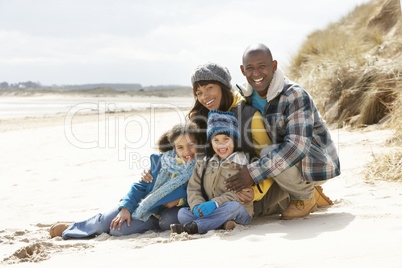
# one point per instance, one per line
(154, 42)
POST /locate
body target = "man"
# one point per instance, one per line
(302, 156)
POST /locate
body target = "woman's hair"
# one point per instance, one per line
(166, 141)
(199, 113)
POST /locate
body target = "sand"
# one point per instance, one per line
(62, 167)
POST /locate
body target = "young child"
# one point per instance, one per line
(211, 206)
(147, 206)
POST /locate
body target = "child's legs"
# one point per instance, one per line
(100, 223)
(136, 227)
(185, 215)
(228, 211)
(95, 225)
(168, 217)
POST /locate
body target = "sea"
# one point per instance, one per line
(17, 107)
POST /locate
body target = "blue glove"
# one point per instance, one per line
(207, 207)
(196, 212)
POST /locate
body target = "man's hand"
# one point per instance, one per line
(124, 215)
(245, 196)
(239, 181)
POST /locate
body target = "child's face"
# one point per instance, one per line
(223, 145)
(186, 147)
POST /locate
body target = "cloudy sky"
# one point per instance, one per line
(153, 42)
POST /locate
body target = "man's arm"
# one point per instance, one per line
(296, 143)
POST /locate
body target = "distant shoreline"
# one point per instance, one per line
(99, 92)
(44, 105)
(51, 120)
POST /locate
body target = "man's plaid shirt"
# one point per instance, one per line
(294, 123)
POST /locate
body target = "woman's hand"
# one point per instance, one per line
(245, 196)
(124, 215)
(172, 204)
(146, 176)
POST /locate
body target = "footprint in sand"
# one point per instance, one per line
(19, 233)
(40, 251)
(38, 248)
(13, 237)
(32, 253)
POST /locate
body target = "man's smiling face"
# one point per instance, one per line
(259, 69)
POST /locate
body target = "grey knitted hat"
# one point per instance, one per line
(212, 71)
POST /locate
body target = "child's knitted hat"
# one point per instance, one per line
(212, 71)
(222, 123)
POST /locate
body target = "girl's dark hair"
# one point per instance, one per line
(166, 141)
(199, 114)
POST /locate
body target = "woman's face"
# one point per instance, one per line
(223, 145)
(209, 96)
(186, 147)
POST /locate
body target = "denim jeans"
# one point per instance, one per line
(100, 223)
(232, 210)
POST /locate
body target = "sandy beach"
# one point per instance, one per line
(68, 166)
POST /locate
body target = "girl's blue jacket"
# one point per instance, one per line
(140, 190)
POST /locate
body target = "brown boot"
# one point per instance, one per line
(322, 199)
(229, 225)
(57, 229)
(299, 209)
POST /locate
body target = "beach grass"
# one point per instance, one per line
(353, 71)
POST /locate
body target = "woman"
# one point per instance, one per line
(212, 90)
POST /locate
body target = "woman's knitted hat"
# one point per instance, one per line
(212, 71)
(222, 123)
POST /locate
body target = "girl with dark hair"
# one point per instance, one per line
(147, 206)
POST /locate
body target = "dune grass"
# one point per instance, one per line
(353, 70)
(353, 67)
(386, 167)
